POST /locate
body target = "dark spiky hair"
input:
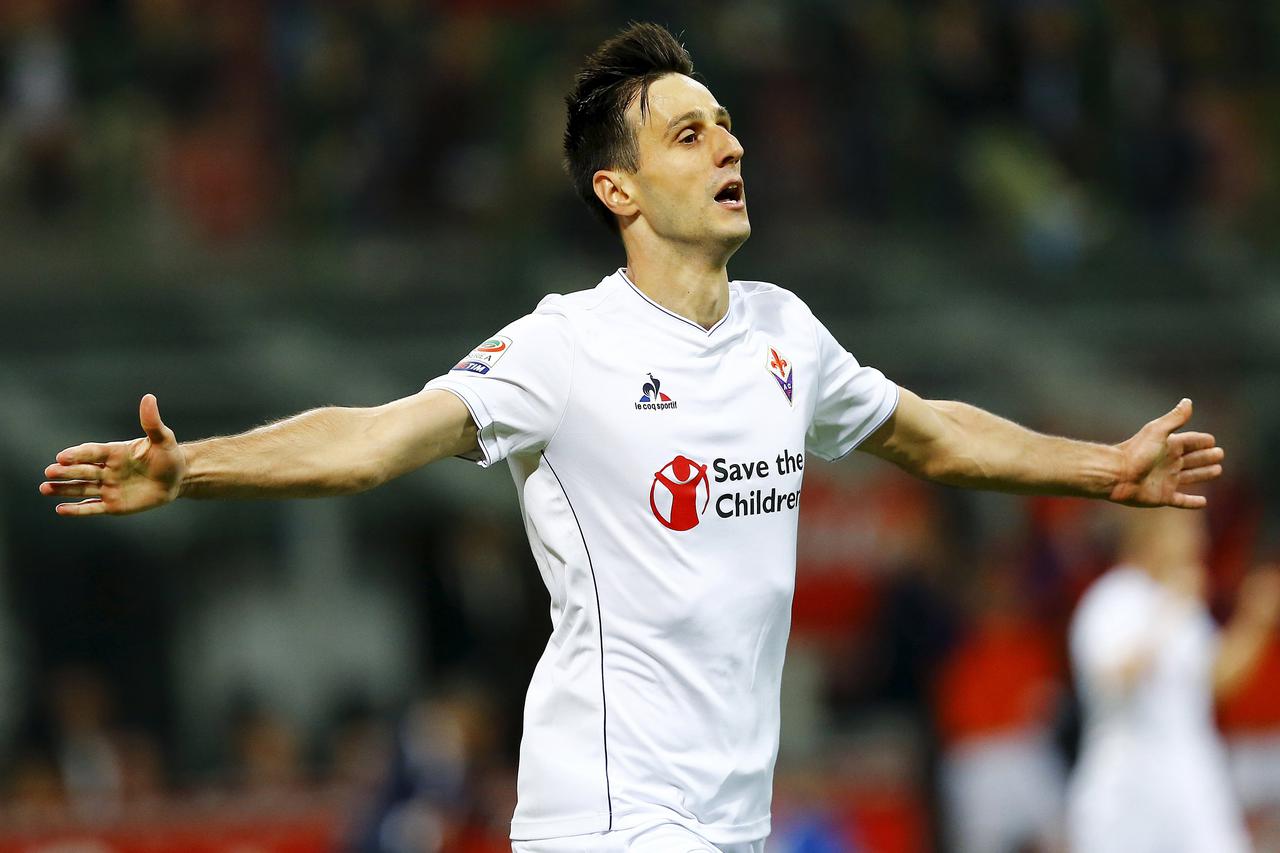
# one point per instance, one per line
(596, 135)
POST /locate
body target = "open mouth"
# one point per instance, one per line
(730, 195)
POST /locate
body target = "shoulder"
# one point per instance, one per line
(556, 324)
(555, 314)
(763, 291)
(1124, 589)
(762, 297)
(578, 303)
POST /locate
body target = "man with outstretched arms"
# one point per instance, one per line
(657, 428)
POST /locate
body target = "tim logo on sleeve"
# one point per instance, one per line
(680, 494)
(484, 357)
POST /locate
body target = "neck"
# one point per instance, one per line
(696, 292)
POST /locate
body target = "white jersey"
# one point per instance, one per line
(1152, 773)
(658, 466)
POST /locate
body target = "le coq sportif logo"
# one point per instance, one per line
(680, 493)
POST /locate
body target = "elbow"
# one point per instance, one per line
(937, 467)
(363, 480)
(942, 458)
(948, 465)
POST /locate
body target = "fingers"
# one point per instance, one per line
(1189, 441)
(92, 506)
(75, 472)
(77, 489)
(1199, 475)
(1200, 458)
(149, 417)
(94, 454)
(1199, 465)
(1176, 417)
(1185, 501)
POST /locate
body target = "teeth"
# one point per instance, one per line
(731, 193)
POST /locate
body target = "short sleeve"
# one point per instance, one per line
(853, 400)
(516, 385)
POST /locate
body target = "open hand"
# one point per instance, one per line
(1159, 463)
(120, 477)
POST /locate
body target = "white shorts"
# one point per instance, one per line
(646, 838)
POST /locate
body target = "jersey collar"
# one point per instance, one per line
(622, 273)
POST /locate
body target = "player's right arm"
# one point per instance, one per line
(326, 451)
(1243, 640)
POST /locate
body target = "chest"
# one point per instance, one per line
(689, 429)
(746, 389)
(1184, 659)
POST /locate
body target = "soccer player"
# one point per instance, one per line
(1149, 662)
(657, 428)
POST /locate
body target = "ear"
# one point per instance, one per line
(614, 189)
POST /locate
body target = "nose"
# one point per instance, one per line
(730, 150)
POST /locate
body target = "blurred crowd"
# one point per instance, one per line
(1058, 125)
(374, 706)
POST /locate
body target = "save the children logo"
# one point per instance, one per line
(680, 493)
(652, 398)
(683, 489)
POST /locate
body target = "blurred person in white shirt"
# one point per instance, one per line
(1149, 663)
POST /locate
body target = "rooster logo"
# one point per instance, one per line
(651, 391)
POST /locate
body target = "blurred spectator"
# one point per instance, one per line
(1250, 720)
(89, 759)
(41, 105)
(1152, 774)
(32, 786)
(359, 743)
(434, 793)
(266, 755)
(1052, 93)
(1040, 115)
(1002, 780)
(207, 69)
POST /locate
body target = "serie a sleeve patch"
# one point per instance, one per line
(482, 359)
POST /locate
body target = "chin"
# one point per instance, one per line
(738, 235)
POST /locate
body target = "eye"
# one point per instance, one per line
(686, 136)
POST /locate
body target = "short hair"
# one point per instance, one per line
(596, 135)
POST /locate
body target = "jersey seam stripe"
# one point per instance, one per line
(573, 362)
(645, 297)
(604, 701)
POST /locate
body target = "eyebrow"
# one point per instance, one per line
(720, 113)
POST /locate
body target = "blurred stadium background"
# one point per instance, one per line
(1063, 211)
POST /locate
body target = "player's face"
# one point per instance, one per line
(689, 184)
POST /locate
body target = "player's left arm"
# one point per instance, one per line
(962, 445)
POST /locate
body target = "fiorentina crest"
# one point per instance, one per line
(780, 369)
